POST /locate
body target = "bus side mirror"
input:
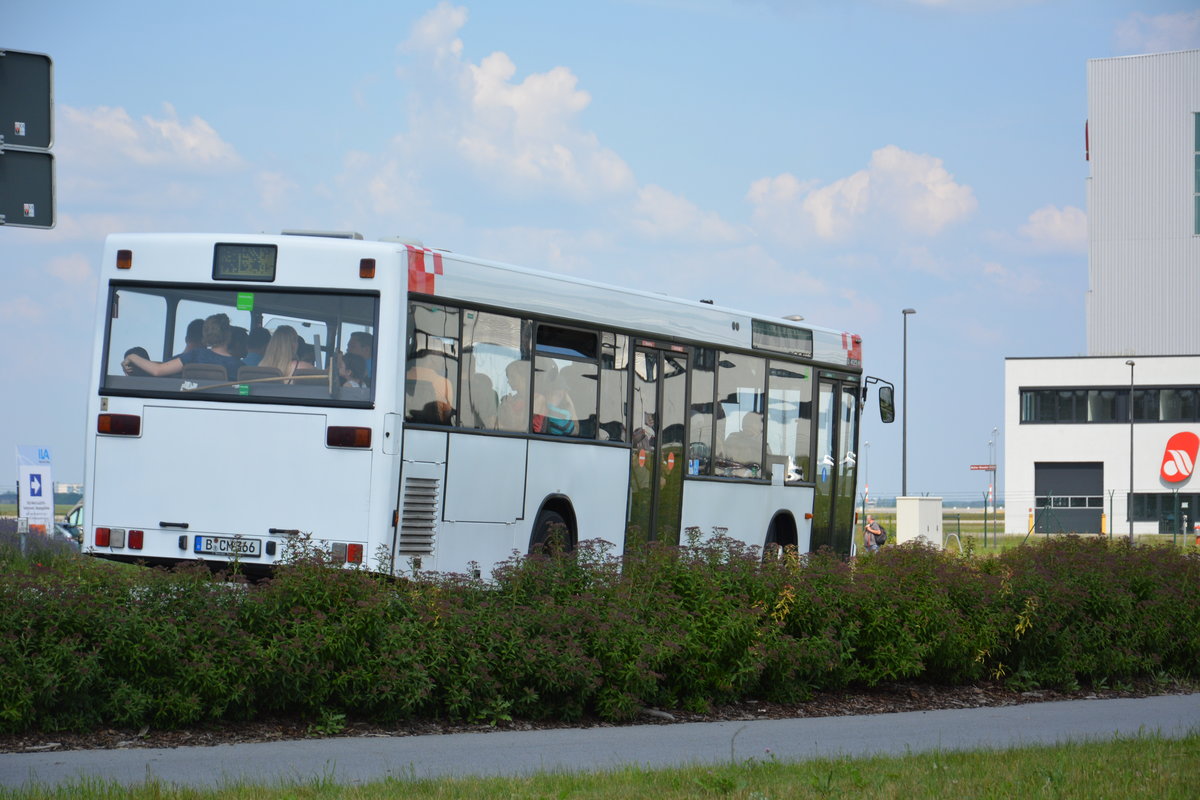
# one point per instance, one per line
(887, 404)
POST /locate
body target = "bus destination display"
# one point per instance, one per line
(244, 262)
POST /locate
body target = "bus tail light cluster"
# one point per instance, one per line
(344, 553)
(119, 424)
(116, 538)
(348, 436)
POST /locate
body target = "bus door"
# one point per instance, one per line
(836, 468)
(657, 460)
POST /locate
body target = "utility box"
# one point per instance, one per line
(919, 518)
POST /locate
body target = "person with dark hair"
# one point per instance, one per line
(193, 339)
(256, 345)
(238, 339)
(362, 343)
(356, 371)
(217, 331)
(137, 371)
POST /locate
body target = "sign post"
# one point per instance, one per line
(35, 494)
(26, 136)
(986, 497)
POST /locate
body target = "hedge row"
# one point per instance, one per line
(561, 637)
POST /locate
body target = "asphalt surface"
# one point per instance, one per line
(363, 759)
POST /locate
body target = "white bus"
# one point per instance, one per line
(420, 410)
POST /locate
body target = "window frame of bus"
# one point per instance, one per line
(219, 269)
(116, 285)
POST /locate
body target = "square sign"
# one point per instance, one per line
(26, 100)
(27, 188)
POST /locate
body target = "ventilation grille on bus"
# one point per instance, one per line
(418, 520)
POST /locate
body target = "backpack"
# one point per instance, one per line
(881, 537)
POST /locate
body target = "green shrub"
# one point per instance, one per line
(568, 635)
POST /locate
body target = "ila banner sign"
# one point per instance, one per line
(35, 498)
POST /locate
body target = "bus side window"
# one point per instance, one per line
(741, 384)
(491, 345)
(431, 372)
(614, 387)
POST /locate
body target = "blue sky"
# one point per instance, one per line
(841, 161)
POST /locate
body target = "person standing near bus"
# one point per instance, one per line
(871, 534)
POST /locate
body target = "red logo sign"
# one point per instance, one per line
(1179, 458)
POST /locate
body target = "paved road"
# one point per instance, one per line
(362, 759)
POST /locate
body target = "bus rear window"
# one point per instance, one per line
(270, 345)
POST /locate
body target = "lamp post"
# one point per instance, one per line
(904, 411)
(1129, 504)
(995, 485)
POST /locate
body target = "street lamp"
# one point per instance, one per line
(995, 485)
(904, 411)
(1129, 505)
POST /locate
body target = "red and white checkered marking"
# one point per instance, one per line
(424, 265)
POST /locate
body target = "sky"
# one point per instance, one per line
(840, 161)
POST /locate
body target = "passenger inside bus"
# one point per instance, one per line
(553, 411)
(481, 398)
(137, 372)
(362, 344)
(256, 346)
(282, 352)
(514, 408)
(743, 448)
(215, 352)
(355, 370)
(429, 394)
(238, 342)
(193, 338)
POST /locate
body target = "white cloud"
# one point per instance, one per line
(522, 135)
(1143, 33)
(21, 309)
(663, 214)
(109, 137)
(899, 190)
(1052, 228)
(1022, 282)
(275, 190)
(74, 269)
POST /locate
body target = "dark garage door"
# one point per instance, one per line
(1069, 496)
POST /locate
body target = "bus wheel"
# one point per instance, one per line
(551, 533)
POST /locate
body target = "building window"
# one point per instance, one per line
(1069, 405)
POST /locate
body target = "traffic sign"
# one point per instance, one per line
(27, 188)
(988, 467)
(26, 100)
(26, 135)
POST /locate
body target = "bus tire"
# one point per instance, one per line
(781, 534)
(551, 533)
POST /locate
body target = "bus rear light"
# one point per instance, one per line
(347, 436)
(110, 537)
(124, 259)
(135, 539)
(354, 553)
(366, 268)
(339, 552)
(119, 424)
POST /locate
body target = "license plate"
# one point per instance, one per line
(228, 546)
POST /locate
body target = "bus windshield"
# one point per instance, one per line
(263, 345)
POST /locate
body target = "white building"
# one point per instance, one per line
(1069, 442)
